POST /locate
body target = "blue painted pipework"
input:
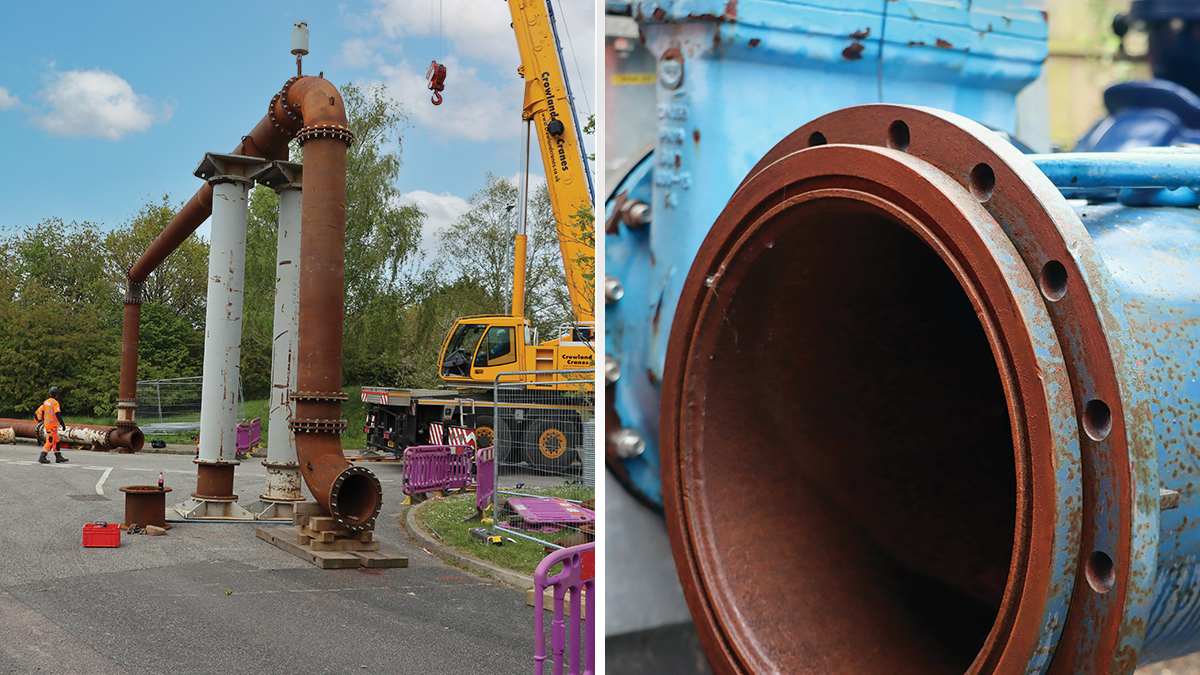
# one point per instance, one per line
(752, 74)
(1153, 257)
(753, 71)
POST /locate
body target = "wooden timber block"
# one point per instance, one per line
(341, 544)
(323, 523)
(306, 509)
(285, 539)
(548, 601)
(381, 559)
(317, 535)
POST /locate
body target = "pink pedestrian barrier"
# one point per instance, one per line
(432, 468)
(567, 633)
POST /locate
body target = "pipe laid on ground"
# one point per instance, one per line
(95, 436)
(974, 448)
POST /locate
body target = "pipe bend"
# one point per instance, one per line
(320, 102)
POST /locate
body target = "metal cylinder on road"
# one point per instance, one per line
(981, 408)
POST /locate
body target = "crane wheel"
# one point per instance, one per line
(551, 446)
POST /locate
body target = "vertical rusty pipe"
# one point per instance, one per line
(127, 398)
(351, 494)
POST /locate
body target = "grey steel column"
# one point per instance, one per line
(283, 472)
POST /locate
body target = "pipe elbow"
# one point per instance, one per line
(319, 102)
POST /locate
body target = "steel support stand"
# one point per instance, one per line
(283, 490)
(230, 176)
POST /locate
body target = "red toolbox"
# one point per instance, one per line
(103, 535)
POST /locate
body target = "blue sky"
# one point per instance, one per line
(104, 106)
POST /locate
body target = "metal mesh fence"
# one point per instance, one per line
(544, 488)
(172, 406)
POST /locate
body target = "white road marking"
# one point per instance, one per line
(100, 483)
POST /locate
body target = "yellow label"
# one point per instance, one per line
(633, 78)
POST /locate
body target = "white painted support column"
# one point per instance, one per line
(230, 176)
(283, 471)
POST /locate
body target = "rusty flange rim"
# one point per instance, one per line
(953, 224)
(1102, 631)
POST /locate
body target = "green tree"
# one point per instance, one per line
(180, 282)
(479, 249)
(64, 259)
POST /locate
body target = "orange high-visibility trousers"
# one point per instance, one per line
(51, 438)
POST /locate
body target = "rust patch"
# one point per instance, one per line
(696, 136)
(853, 52)
(731, 10)
(651, 376)
(677, 161)
(916, 43)
(659, 14)
(943, 44)
(754, 42)
(861, 34)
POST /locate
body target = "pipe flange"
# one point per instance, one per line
(907, 164)
(318, 426)
(369, 522)
(325, 131)
(319, 396)
(133, 292)
(280, 98)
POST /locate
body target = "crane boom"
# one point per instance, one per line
(550, 108)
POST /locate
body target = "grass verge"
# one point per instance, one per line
(443, 518)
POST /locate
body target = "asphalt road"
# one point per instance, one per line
(213, 598)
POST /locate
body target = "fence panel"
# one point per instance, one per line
(542, 490)
(173, 406)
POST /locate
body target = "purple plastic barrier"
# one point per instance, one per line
(485, 463)
(243, 438)
(569, 581)
(430, 468)
(255, 432)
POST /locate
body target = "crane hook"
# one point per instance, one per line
(437, 80)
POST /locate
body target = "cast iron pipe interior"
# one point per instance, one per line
(857, 451)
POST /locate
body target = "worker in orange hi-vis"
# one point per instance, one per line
(50, 415)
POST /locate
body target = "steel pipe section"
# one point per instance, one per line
(124, 439)
(964, 404)
(353, 495)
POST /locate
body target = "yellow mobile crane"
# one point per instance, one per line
(479, 348)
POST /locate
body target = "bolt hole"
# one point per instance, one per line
(1101, 572)
(898, 136)
(817, 138)
(1097, 420)
(1054, 280)
(983, 182)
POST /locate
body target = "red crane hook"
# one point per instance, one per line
(437, 80)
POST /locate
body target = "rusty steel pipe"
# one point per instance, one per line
(979, 416)
(97, 437)
(352, 494)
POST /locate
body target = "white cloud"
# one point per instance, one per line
(8, 101)
(441, 211)
(358, 53)
(471, 28)
(96, 103)
(470, 109)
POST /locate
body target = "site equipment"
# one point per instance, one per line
(915, 409)
(479, 348)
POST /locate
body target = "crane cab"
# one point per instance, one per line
(479, 348)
